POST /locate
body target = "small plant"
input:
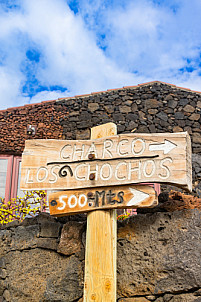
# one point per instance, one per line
(21, 207)
(123, 216)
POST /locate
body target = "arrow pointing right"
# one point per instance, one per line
(138, 197)
(166, 147)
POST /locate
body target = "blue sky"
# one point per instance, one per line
(59, 48)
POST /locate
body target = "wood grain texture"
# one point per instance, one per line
(122, 159)
(69, 202)
(101, 241)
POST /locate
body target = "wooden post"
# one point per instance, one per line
(101, 238)
(131, 158)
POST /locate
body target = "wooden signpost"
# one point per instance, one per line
(101, 244)
(122, 159)
(99, 174)
(63, 203)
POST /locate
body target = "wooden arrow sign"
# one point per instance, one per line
(64, 203)
(114, 160)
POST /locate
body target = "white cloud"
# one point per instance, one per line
(9, 88)
(48, 96)
(193, 81)
(152, 39)
(70, 56)
(143, 41)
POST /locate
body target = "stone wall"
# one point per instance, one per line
(151, 107)
(42, 259)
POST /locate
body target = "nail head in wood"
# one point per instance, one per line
(53, 203)
(92, 176)
(90, 194)
(91, 156)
